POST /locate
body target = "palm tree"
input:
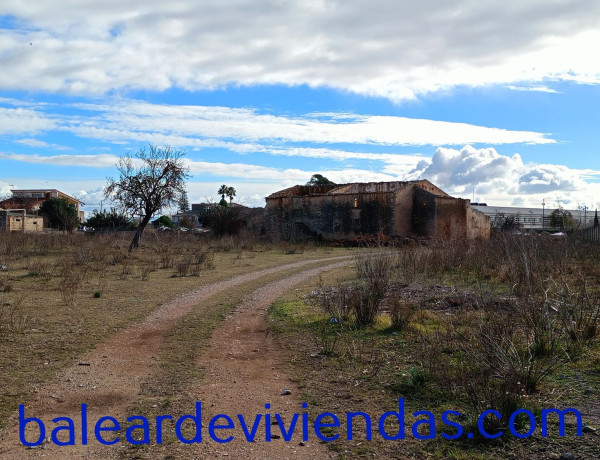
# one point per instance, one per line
(230, 193)
(223, 190)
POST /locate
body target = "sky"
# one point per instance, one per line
(492, 101)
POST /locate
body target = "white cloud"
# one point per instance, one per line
(538, 89)
(20, 121)
(241, 129)
(42, 144)
(550, 178)
(505, 180)
(4, 189)
(95, 161)
(397, 50)
(497, 179)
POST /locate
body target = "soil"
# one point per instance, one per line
(244, 371)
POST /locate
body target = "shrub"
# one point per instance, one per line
(374, 276)
(400, 312)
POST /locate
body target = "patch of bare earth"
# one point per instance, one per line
(108, 379)
(245, 373)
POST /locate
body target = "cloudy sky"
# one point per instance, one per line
(497, 101)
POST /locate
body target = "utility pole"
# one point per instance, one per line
(543, 213)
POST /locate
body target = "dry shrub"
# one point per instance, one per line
(117, 256)
(334, 301)
(579, 311)
(165, 254)
(401, 311)
(44, 270)
(327, 336)
(11, 318)
(409, 263)
(364, 355)
(204, 258)
(69, 285)
(374, 273)
(146, 267)
(489, 360)
(183, 265)
(363, 298)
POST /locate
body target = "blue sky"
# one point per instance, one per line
(496, 100)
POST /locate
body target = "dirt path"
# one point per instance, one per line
(108, 378)
(244, 373)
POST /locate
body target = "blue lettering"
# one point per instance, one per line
(212, 426)
(250, 435)
(319, 425)
(70, 428)
(447, 421)
(430, 421)
(399, 416)
(481, 428)
(561, 420)
(267, 424)
(145, 426)
(304, 423)
(349, 418)
(196, 419)
(287, 435)
(23, 422)
(98, 429)
(159, 419)
(513, 429)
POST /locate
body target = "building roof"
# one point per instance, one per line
(44, 191)
(48, 190)
(354, 188)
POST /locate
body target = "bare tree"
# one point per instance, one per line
(149, 181)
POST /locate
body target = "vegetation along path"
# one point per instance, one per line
(109, 379)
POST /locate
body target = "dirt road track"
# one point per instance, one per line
(109, 379)
(244, 371)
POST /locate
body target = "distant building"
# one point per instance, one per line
(17, 220)
(32, 199)
(534, 218)
(347, 211)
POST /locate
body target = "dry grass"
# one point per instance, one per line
(61, 294)
(466, 326)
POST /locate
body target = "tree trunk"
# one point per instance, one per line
(138, 234)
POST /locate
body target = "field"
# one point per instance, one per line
(505, 324)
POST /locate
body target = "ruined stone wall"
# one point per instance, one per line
(479, 225)
(429, 187)
(424, 213)
(456, 219)
(334, 216)
(277, 213)
(365, 209)
(403, 211)
(451, 218)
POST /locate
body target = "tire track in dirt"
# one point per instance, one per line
(244, 370)
(108, 378)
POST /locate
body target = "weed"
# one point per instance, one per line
(327, 335)
(400, 312)
(374, 275)
(11, 319)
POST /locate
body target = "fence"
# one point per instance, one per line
(590, 234)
